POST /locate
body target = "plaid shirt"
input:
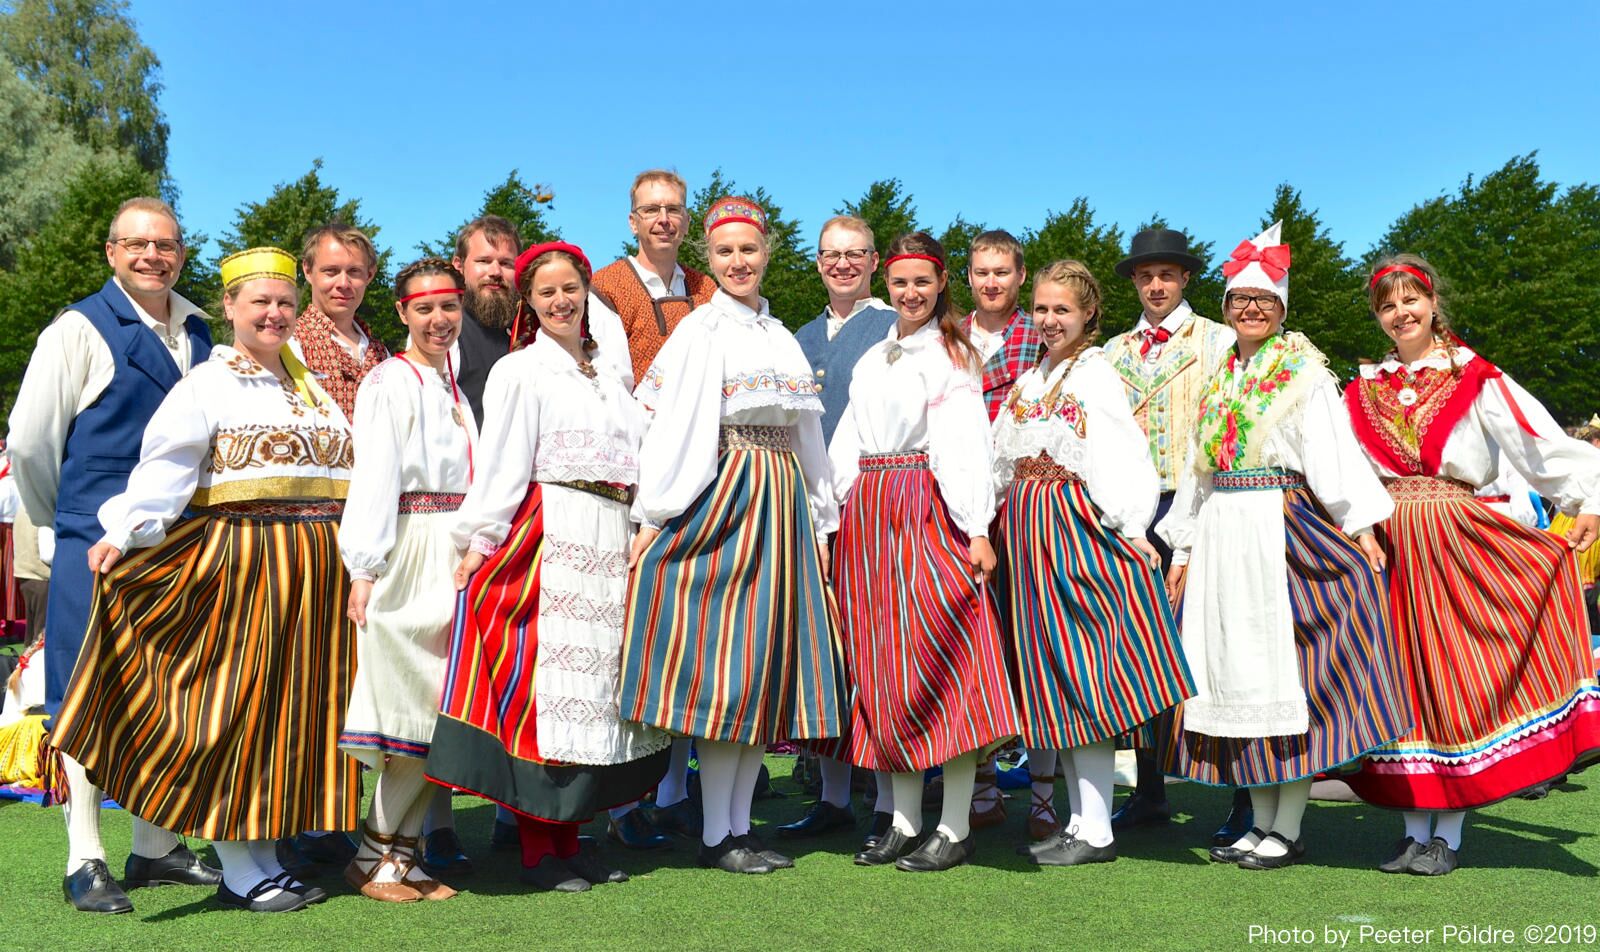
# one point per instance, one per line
(1019, 353)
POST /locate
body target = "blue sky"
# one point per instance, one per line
(998, 112)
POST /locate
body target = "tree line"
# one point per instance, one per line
(80, 93)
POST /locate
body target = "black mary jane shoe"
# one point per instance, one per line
(1404, 852)
(1297, 852)
(1436, 859)
(890, 847)
(936, 854)
(881, 823)
(1065, 849)
(1141, 811)
(634, 830)
(552, 874)
(588, 863)
(774, 858)
(1233, 854)
(90, 888)
(681, 819)
(311, 894)
(733, 856)
(823, 817)
(284, 901)
(181, 867)
(1241, 820)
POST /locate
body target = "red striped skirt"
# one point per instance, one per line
(1492, 636)
(922, 639)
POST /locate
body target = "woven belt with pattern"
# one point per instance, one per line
(611, 491)
(428, 503)
(739, 436)
(871, 461)
(1044, 467)
(1242, 480)
(278, 510)
(1427, 489)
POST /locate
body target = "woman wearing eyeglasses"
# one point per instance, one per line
(1284, 620)
(1488, 613)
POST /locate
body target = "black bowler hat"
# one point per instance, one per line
(1159, 244)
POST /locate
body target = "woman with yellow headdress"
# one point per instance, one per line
(217, 665)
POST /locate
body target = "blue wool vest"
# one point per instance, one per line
(833, 361)
(101, 450)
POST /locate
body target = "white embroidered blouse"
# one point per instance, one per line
(907, 395)
(230, 432)
(726, 364)
(1078, 413)
(407, 440)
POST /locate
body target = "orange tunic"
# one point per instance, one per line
(648, 321)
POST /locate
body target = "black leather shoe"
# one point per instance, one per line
(681, 819)
(732, 856)
(284, 901)
(442, 854)
(505, 837)
(1436, 859)
(773, 858)
(1233, 854)
(1142, 811)
(1404, 852)
(1241, 820)
(552, 874)
(1297, 852)
(937, 853)
(881, 824)
(178, 868)
(588, 864)
(823, 817)
(1065, 849)
(890, 846)
(634, 831)
(332, 849)
(90, 888)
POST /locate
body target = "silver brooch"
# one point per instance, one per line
(1407, 397)
(895, 350)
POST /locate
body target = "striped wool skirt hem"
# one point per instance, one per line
(1493, 644)
(1346, 659)
(732, 634)
(1095, 648)
(212, 682)
(923, 639)
(529, 714)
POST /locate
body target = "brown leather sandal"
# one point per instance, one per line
(1042, 820)
(985, 785)
(388, 855)
(430, 889)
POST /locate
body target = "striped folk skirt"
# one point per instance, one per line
(731, 630)
(529, 716)
(212, 681)
(1095, 647)
(1346, 661)
(401, 651)
(1493, 644)
(927, 663)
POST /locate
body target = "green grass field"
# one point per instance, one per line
(1524, 864)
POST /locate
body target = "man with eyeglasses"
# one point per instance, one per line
(650, 291)
(1165, 362)
(97, 374)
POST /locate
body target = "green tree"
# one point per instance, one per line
(64, 260)
(514, 200)
(791, 285)
(1520, 268)
(1073, 234)
(295, 208)
(889, 212)
(1325, 299)
(86, 55)
(957, 240)
(38, 158)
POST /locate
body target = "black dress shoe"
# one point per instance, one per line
(1065, 849)
(823, 817)
(1241, 820)
(504, 837)
(634, 831)
(442, 854)
(552, 874)
(1233, 854)
(732, 856)
(681, 819)
(890, 846)
(937, 853)
(283, 901)
(1436, 859)
(90, 888)
(1297, 852)
(774, 858)
(588, 864)
(181, 867)
(881, 824)
(1404, 852)
(1141, 811)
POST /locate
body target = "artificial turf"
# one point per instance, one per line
(1525, 863)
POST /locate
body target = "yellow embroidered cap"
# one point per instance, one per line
(257, 263)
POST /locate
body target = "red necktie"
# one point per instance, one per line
(1152, 337)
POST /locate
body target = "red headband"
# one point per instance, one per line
(1408, 269)
(418, 294)
(914, 257)
(527, 258)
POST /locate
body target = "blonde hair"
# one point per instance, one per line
(1075, 276)
(144, 203)
(849, 223)
(350, 237)
(658, 175)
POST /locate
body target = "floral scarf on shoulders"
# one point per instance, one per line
(1246, 398)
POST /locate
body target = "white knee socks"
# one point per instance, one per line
(986, 798)
(907, 789)
(835, 781)
(955, 822)
(1447, 827)
(1095, 766)
(400, 786)
(1419, 825)
(719, 773)
(1264, 801)
(675, 785)
(744, 788)
(1042, 772)
(884, 802)
(82, 813)
(1287, 813)
(1069, 779)
(239, 870)
(151, 841)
